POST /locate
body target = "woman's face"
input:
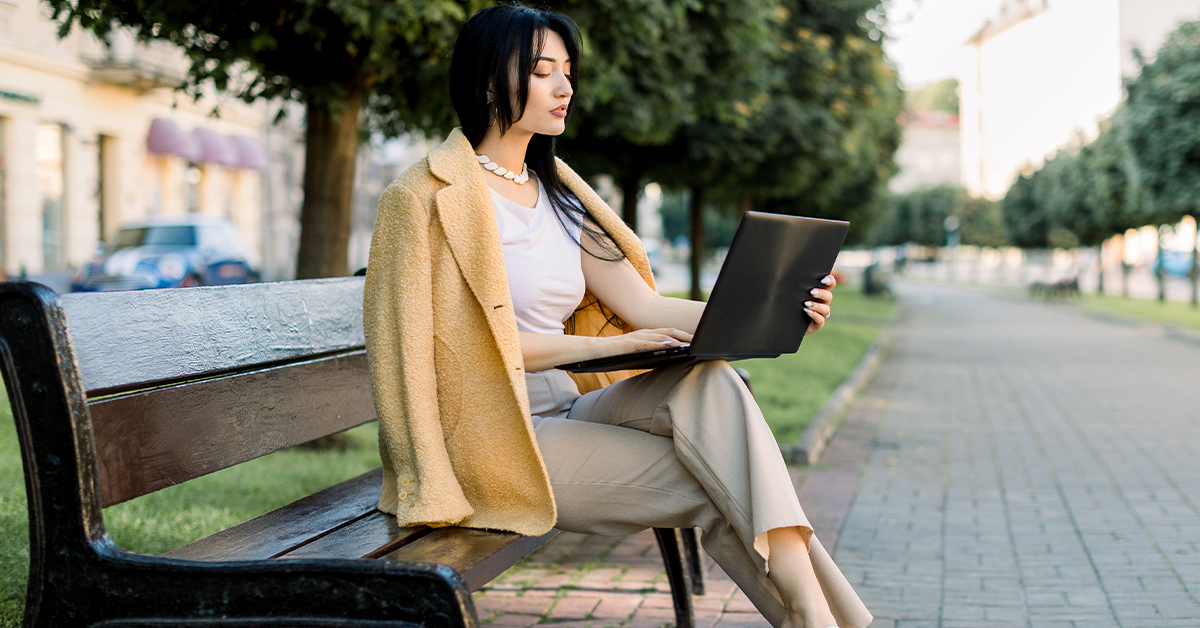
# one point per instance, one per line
(549, 90)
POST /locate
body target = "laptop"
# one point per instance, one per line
(756, 309)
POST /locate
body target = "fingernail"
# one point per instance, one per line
(809, 303)
(815, 292)
(827, 280)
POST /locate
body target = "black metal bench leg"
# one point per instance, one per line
(695, 565)
(671, 545)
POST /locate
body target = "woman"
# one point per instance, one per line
(492, 262)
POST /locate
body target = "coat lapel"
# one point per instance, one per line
(466, 212)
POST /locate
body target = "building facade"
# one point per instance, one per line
(929, 152)
(94, 136)
(1043, 73)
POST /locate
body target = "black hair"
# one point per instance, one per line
(490, 44)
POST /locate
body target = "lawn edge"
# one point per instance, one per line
(1124, 318)
(807, 449)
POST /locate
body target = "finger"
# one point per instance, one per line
(820, 308)
(816, 323)
(824, 296)
(830, 281)
(677, 334)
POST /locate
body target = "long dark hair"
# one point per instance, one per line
(490, 43)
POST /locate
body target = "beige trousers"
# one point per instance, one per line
(678, 447)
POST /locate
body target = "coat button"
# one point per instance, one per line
(403, 495)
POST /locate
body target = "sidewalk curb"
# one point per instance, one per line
(808, 448)
(1166, 329)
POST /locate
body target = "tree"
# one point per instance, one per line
(1024, 221)
(919, 217)
(652, 68)
(356, 65)
(939, 96)
(819, 141)
(829, 131)
(1162, 132)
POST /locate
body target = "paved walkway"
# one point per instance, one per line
(1012, 464)
(1035, 468)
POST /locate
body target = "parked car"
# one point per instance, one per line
(1177, 263)
(170, 252)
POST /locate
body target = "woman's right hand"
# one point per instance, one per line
(644, 340)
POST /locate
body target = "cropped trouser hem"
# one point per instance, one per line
(678, 447)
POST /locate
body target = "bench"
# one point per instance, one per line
(117, 395)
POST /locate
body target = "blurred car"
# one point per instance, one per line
(1178, 263)
(170, 252)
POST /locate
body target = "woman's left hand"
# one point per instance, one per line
(818, 304)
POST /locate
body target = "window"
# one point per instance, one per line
(173, 235)
(50, 177)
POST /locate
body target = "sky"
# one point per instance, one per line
(925, 37)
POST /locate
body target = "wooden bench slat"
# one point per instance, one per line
(369, 536)
(150, 440)
(126, 339)
(276, 532)
(478, 555)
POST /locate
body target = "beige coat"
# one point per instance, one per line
(456, 439)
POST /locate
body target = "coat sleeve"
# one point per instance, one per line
(419, 483)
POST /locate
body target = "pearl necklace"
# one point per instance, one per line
(500, 171)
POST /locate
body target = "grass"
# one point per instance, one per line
(1170, 312)
(162, 521)
(790, 389)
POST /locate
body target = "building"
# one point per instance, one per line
(929, 152)
(1043, 73)
(93, 136)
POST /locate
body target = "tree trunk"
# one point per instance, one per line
(697, 239)
(1195, 272)
(332, 145)
(1100, 273)
(631, 189)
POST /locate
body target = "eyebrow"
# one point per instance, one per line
(550, 59)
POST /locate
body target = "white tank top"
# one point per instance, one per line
(545, 272)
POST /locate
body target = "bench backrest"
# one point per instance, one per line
(181, 383)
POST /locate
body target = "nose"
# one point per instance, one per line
(563, 89)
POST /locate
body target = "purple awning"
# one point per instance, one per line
(250, 153)
(215, 148)
(165, 138)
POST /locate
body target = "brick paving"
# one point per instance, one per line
(1011, 464)
(1035, 467)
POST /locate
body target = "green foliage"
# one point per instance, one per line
(721, 221)
(822, 144)
(939, 96)
(1162, 128)
(180, 514)
(1143, 167)
(1078, 197)
(315, 51)
(1024, 221)
(800, 115)
(919, 217)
